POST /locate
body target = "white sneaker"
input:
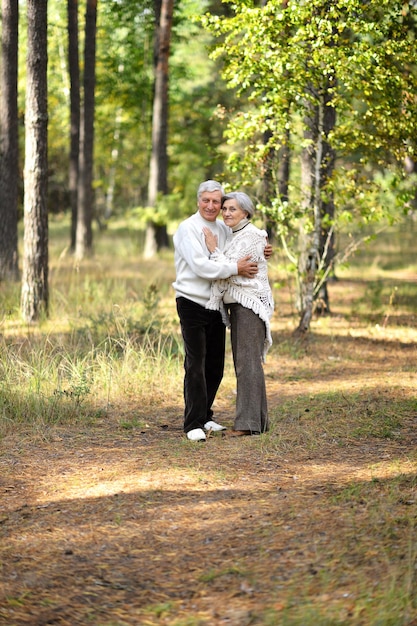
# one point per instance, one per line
(197, 434)
(214, 426)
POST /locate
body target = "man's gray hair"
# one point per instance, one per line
(209, 186)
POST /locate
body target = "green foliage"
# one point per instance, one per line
(123, 97)
(271, 54)
(336, 83)
(168, 208)
(282, 59)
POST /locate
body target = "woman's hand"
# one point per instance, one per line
(211, 239)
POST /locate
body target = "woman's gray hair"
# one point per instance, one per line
(209, 186)
(242, 200)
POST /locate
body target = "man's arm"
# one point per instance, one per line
(190, 245)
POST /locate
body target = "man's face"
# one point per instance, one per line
(209, 205)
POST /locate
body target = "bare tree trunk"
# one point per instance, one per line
(114, 159)
(84, 234)
(74, 73)
(277, 167)
(275, 177)
(317, 247)
(410, 167)
(310, 257)
(284, 167)
(9, 147)
(156, 234)
(35, 293)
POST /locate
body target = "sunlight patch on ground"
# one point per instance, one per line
(395, 381)
(343, 473)
(87, 483)
(92, 482)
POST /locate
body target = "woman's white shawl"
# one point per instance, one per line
(252, 293)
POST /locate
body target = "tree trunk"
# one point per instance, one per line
(108, 210)
(327, 238)
(275, 177)
(156, 235)
(84, 234)
(74, 74)
(317, 247)
(35, 296)
(277, 167)
(410, 167)
(9, 147)
(310, 243)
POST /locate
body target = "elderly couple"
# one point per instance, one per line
(222, 280)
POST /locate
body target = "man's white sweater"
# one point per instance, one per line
(194, 268)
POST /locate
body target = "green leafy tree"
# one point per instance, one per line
(340, 75)
(123, 104)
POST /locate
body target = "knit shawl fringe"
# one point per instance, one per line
(257, 306)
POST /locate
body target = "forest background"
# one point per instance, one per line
(107, 515)
(309, 106)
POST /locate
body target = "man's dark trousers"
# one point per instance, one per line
(204, 336)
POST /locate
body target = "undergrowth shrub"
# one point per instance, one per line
(73, 376)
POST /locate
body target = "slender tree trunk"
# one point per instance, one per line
(284, 168)
(268, 186)
(410, 167)
(277, 167)
(35, 293)
(310, 257)
(275, 177)
(114, 159)
(84, 234)
(156, 235)
(327, 237)
(317, 247)
(74, 73)
(9, 150)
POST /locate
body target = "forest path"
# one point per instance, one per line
(107, 525)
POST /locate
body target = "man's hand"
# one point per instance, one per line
(246, 267)
(268, 252)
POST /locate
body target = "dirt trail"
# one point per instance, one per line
(105, 526)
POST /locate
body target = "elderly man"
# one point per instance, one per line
(202, 330)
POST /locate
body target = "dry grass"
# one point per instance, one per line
(109, 516)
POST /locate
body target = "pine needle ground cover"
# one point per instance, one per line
(109, 516)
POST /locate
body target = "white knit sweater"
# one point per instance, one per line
(194, 268)
(252, 293)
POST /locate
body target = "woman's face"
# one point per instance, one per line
(232, 213)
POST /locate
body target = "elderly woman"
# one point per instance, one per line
(246, 305)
